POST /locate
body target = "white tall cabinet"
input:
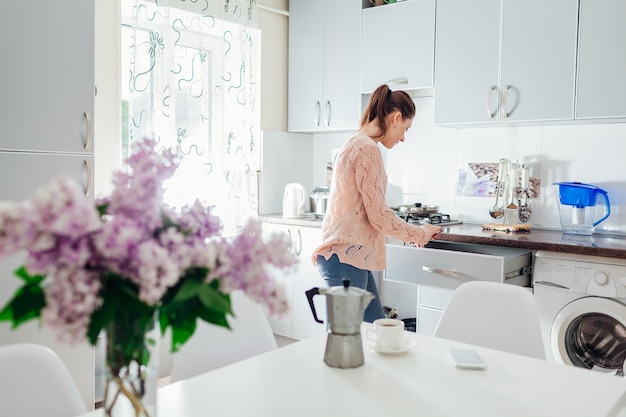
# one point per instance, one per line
(324, 62)
(601, 84)
(46, 129)
(505, 61)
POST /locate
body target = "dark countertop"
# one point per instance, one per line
(613, 246)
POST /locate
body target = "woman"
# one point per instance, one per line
(357, 218)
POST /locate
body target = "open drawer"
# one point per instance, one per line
(448, 264)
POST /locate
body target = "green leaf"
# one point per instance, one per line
(22, 273)
(189, 288)
(214, 300)
(27, 302)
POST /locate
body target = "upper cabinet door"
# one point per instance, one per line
(538, 60)
(601, 59)
(47, 81)
(306, 52)
(505, 61)
(398, 45)
(324, 57)
(342, 37)
(466, 61)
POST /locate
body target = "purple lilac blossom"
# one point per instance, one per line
(71, 297)
(244, 265)
(68, 241)
(16, 233)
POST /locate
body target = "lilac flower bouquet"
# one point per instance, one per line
(129, 258)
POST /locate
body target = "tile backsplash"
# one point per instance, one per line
(425, 167)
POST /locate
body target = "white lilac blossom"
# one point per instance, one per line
(92, 254)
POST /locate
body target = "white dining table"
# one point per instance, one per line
(422, 381)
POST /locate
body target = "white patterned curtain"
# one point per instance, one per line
(191, 80)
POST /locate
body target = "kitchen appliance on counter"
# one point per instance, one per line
(294, 200)
(345, 307)
(419, 214)
(319, 200)
(582, 310)
(578, 207)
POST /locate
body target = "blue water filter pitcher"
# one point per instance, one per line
(579, 208)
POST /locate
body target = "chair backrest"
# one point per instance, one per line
(494, 315)
(212, 347)
(34, 382)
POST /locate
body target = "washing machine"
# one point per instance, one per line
(582, 309)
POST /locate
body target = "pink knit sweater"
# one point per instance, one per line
(357, 218)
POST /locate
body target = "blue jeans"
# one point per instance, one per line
(333, 272)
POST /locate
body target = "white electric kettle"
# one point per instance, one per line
(294, 199)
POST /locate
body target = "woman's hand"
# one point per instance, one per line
(432, 230)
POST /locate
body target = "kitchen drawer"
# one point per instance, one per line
(447, 265)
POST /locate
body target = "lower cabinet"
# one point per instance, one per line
(299, 323)
(431, 301)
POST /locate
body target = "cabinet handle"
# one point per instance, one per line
(399, 80)
(89, 179)
(89, 131)
(504, 95)
(327, 112)
(439, 271)
(490, 113)
(317, 114)
(299, 247)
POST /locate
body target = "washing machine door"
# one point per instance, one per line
(590, 332)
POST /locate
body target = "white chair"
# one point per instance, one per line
(212, 346)
(34, 382)
(493, 315)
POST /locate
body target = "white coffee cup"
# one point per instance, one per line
(388, 333)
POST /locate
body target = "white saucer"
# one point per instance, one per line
(408, 344)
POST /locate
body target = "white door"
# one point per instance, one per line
(47, 80)
(466, 61)
(601, 85)
(406, 32)
(305, 65)
(538, 59)
(342, 57)
(21, 175)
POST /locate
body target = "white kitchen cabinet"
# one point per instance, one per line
(601, 83)
(398, 45)
(47, 78)
(505, 61)
(324, 62)
(431, 301)
(299, 324)
(46, 122)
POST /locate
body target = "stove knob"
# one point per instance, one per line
(601, 278)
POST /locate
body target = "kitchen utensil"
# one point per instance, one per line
(345, 307)
(577, 207)
(294, 199)
(510, 212)
(318, 200)
(496, 211)
(524, 210)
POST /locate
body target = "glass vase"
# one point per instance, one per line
(132, 362)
